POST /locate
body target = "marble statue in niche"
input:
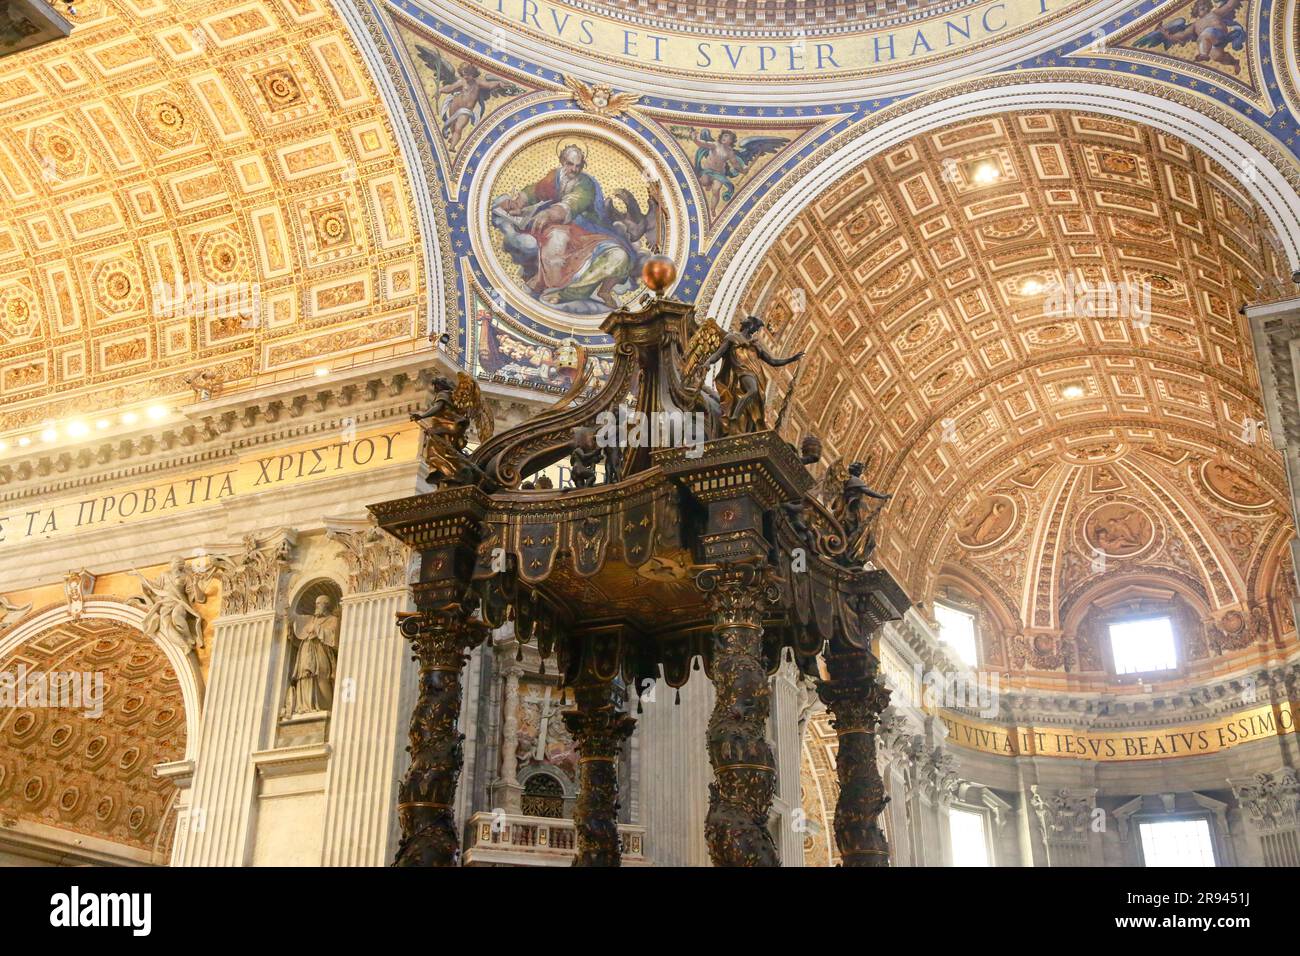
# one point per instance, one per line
(313, 655)
(169, 602)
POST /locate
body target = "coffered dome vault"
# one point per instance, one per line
(1022, 445)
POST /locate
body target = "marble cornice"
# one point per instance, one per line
(1108, 712)
(220, 429)
(1215, 697)
(224, 426)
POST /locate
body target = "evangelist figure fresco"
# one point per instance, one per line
(577, 249)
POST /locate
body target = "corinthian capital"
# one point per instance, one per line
(1064, 815)
(376, 560)
(250, 573)
(1271, 800)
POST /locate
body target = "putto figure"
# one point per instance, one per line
(585, 456)
(170, 602)
(852, 511)
(721, 162)
(740, 378)
(446, 421)
(1212, 28)
(463, 92)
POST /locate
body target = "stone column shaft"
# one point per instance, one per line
(238, 701)
(855, 696)
(375, 686)
(426, 797)
(744, 769)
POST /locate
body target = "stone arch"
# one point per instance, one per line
(83, 763)
(1272, 187)
(183, 663)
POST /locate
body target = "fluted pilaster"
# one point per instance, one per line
(236, 708)
(675, 772)
(374, 691)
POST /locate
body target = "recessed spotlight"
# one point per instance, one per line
(78, 429)
(24, 441)
(1031, 287)
(156, 412)
(130, 418)
(1072, 391)
(102, 424)
(322, 372)
(50, 434)
(3, 445)
(986, 173)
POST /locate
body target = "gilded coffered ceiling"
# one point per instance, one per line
(1038, 452)
(70, 768)
(195, 185)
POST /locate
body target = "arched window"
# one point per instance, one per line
(957, 630)
(543, 796)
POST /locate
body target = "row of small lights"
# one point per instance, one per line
(984, 174)
(78, 428)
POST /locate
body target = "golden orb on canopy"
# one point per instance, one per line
(659, 272)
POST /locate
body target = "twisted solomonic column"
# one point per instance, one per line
(599, 729)
(744, 769)
(856, 695)
(440, 638)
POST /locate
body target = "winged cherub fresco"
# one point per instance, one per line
(576, 249)
(720, 163)
(1212, 28)
(462, 93)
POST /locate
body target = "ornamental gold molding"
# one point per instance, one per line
(246, 189)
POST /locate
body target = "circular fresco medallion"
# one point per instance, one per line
(566, 217)
(1234, 486)
(1119, 529)
(987, 522)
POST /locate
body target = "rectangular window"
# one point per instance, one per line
(1177, 843)
(957, 630)
(967, 837)
(1143, 645)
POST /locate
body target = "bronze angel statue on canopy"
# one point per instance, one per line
(452, 408)
(740, 379)
(848, 493)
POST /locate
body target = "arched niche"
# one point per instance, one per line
(309, 685)
(1086, 623)
(995, 621)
